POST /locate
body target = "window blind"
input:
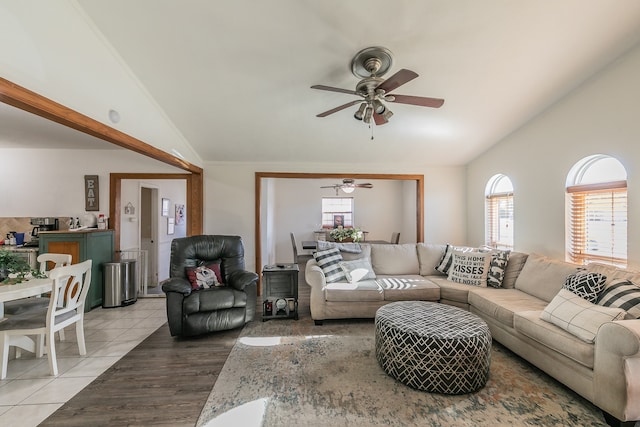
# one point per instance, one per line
(499, 221)
(337, 206)
(598, 223)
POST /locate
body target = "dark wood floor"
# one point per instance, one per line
(164, 381)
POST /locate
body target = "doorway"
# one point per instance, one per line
(149, 237)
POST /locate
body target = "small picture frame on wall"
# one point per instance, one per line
(338, 221)
(171, 226)
(180, 215)
(165, 207)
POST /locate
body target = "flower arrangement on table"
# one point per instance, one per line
(340, 234)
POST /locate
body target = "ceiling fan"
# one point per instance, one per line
(348, 185)
(370, 64)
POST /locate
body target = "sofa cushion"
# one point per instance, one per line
(470, 268)
(543, 277)
(622, 294)
(452, 291)
(329, 262)
(502, 304)
(357, 269)
(585, 284)
(579, 316)
(407, 288)
(366, 290)
(429, 256)
(497, 267)
(395, 259)
(529, 323)
(613, 273)
(365, 253)
(513, 269)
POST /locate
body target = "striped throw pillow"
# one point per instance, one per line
(447, 258)
(622, 294)
(329, 261)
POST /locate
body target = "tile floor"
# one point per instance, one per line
(30, 394)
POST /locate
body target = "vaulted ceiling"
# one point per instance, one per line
(234, 76)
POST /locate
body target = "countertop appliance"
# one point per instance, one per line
(41, 224)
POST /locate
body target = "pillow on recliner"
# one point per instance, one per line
(205, 276)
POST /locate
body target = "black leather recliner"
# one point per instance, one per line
(214, 309)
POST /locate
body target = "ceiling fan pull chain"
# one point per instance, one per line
(371, 127)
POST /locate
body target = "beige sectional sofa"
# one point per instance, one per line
(606, 372)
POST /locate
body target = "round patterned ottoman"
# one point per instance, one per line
(433, 347)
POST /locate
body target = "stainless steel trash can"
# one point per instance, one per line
(112, 285)
(129, 283)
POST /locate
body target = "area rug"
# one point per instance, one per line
(284, 372)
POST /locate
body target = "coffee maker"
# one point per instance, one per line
(41, 224)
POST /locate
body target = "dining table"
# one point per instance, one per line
(313, 244)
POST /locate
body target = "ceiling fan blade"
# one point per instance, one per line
(398, 79)
(365, 185)
(329, 186)
(418, 100)
(334, 89)
(342, 107)
(379, 119)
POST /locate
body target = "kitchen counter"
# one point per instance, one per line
(79, 231)
(15, 248)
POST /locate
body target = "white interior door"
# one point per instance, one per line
(149, 231)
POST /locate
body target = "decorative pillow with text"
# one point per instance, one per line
(447, 258)
(470, 268)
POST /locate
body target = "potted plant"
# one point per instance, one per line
(14, 268)
(342, 234)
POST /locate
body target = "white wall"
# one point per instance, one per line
(41, 40)
(298, 209)
(601, 116)
(229, 198)
(51, 182)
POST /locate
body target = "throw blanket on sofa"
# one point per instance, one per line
(353, 248)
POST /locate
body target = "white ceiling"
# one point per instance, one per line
(234, 76)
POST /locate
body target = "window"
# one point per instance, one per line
(499, 212)
(340, 206)
(597, 211)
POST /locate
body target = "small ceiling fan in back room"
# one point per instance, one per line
(348, 186)
(369, 65)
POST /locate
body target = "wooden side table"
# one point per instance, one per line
(280, 291)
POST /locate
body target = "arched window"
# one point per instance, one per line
(597, 211)
(499, 212)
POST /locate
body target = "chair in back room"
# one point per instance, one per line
(395, 238)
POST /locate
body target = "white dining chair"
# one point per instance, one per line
(66, 306)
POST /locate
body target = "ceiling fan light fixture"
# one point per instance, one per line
(360, 113)
(348, 189)
(387, 114)
(378, 106)
(368, 114)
